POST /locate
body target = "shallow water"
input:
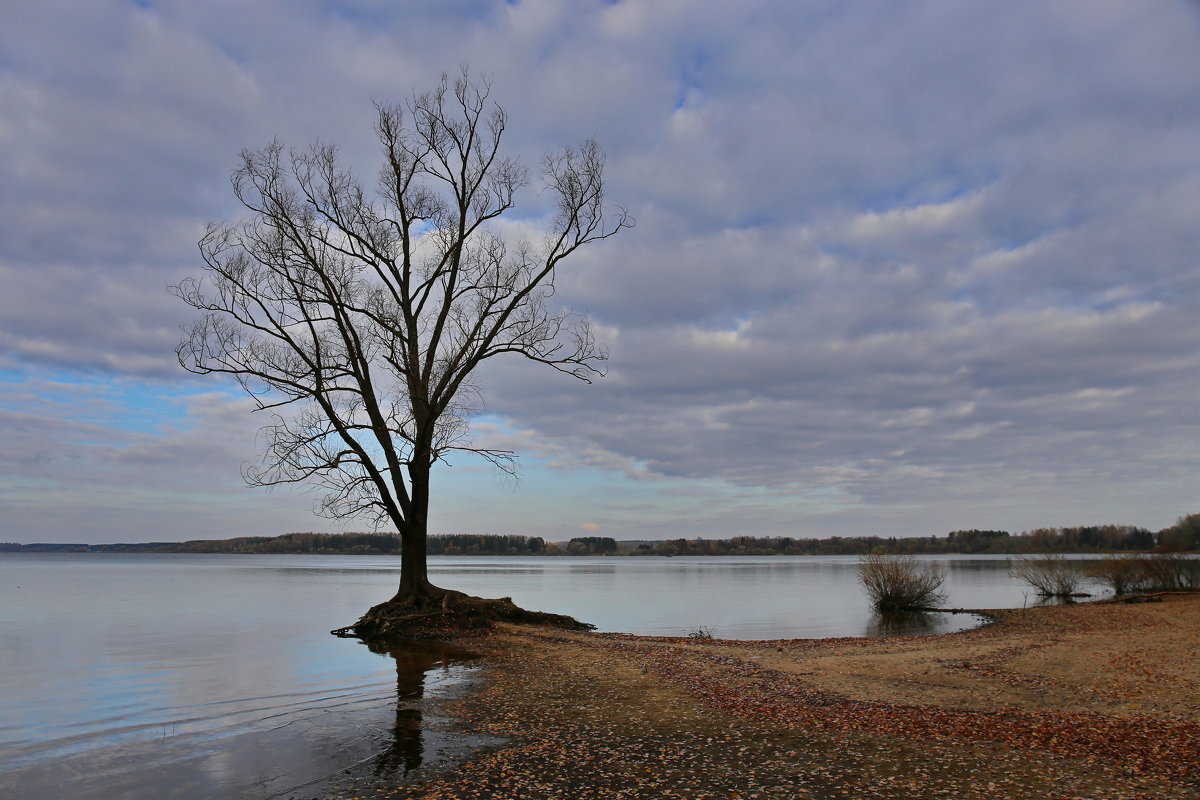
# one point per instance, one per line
(146, 677)
(737, 597)
(191, 676)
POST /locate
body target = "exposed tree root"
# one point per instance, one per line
(447, 613)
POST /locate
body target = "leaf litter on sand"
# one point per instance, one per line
(602, 716)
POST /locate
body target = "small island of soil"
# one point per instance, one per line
(447, 615)
(1087, 701)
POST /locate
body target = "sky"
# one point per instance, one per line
(900, 267)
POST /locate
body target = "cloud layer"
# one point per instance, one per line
(899, 267)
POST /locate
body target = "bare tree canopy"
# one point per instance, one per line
(356, 316)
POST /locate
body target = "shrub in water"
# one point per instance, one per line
(1050, 576)
(901, 582)
(1169, 572)
(1122, 574)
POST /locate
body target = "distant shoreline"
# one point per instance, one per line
(1182, 537)
(170, 548)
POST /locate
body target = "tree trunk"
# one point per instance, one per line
(414, 571)
(422, 609)
(415, 588)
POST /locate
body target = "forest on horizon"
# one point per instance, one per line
(1184, 536)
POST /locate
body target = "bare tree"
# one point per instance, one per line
(356, 318)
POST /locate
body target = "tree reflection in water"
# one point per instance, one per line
(900, 623)
(415, 662)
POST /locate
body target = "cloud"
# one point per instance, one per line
(79, 463)
(897, 265)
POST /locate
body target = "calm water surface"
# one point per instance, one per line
(192, 676)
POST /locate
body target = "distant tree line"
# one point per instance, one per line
(1184, 536)
(589, 546)
(1084, 539)
(315, 543)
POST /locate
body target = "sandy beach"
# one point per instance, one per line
(1085, 701)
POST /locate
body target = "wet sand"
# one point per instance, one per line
(1089, 701)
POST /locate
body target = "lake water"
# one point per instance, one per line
(194, 676)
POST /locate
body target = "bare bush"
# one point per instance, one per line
(1122, 574)
(896, 583)
(1167, 572)
(1158, 572)
(1051, 576)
